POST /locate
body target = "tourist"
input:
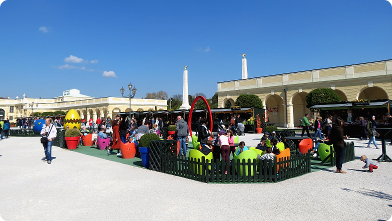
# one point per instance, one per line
(102, 134)
(182, 131)
(241, 148)
(203, 132)
(206, 148)
(116, 118)
(225, 147)
(6, 128)
(337, 140)
(144, 129)
(98, 121)
(116, 137)
(328, 122)
(275, 150)
(50, 133)
(1, 129)
(108, 122)
(90, 123)
(268, 155)
(266, 136)
(123, 130)
(363, 126)
(273, 136)
(231, 141)
(102, 124)
(368, 163)
(317, 128)
(371, 127)
(305, 125)
(262, 145)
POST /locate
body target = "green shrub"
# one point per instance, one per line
(172, 128)
(74, 132)
(147, 138)
(269, 129)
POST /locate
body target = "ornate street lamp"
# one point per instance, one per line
(32, 108)
(132, 92)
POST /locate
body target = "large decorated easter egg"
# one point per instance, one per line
(72, 119)
(38, 125)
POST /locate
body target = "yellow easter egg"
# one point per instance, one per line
(72, 119)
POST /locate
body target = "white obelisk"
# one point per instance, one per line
(244, 67)
(185, 102)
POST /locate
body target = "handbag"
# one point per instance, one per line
(44, 139)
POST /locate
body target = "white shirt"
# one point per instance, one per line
(224, 140)
(52, 132)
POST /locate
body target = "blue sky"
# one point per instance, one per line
(149, 42)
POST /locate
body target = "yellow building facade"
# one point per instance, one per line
(283, 95)
(87, 107)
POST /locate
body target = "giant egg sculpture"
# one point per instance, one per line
(72, 119)
(38, 125)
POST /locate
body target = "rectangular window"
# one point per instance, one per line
(12, 109)
(11, 118)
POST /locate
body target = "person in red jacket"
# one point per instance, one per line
(116, 137)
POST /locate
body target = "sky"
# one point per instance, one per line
(48, 46)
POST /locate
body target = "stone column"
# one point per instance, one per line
(290, 116)
(244, 68)
(185, 102)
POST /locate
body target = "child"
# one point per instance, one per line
(268, 155)
(206, 148)
(241, 148)
(369, 163)
(261, 145)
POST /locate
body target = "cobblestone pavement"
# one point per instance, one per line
(81, 187)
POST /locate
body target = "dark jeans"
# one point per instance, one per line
(339, 156)
(123, 138)
(307, 131)
(48, 150)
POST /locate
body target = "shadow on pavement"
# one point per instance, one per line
(373, 193)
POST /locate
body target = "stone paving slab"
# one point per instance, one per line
(81, 187)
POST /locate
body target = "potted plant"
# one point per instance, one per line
(258, 128)
(144, 148)
(171, 129)
(72, 138)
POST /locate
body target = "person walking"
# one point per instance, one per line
(6, 128)
(337, 140)
(182, 132)
(371, 127)
(1, 129)
(50, 132)
(363, 125)
(305, 125)
(317, 128)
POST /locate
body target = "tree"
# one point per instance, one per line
(160, 95)
(174, 102)
(249, 100)
(228, 104)
(214, 101)
(322, 96)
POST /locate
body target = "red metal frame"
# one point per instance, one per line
(191, 110)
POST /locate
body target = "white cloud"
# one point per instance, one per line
(109, 74)
(73, 59)
(43, 29)
(207, 49)
(67, 66)
(94, 61)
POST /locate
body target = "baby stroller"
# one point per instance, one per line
(241, 129)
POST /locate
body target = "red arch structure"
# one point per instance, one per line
(191, 110)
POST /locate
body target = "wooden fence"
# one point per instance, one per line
(254, 171)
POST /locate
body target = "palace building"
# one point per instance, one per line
(283, 95)
(87, 107)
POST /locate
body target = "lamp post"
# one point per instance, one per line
(132, 92)
(32, 108)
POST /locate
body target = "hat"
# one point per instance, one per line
(222, 132)
(273, 132)
(266, 133)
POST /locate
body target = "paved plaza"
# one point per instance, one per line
(81, 187)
